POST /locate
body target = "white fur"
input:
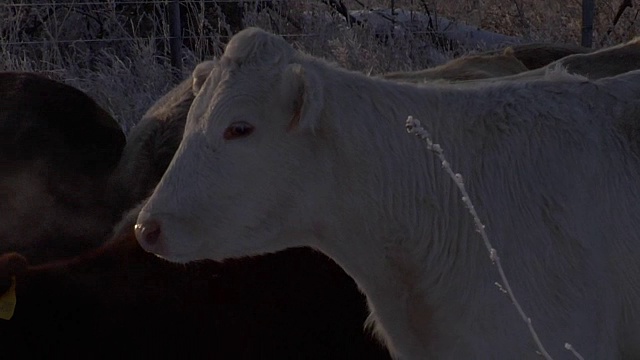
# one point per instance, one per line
(550, 174)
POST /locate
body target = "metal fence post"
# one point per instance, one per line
(587, 22)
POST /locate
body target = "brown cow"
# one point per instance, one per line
(467, 67)
(57, 149)
(512, 60)
(537, 55)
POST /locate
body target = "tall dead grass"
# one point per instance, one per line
(119, 54)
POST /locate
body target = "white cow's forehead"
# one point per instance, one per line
(229, 105)
(251, 85)
(233, 93)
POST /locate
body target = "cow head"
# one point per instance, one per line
(252, 173)
(58, 148)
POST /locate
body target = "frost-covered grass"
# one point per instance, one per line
(119, 53)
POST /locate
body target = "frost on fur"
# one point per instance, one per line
(415, 127)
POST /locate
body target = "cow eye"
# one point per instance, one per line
(238, 130)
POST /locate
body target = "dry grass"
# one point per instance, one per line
(119, 53)
(536, 20)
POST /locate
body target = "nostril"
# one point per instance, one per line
(148, 231)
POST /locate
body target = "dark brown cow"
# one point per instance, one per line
(605, 62)
(153, 141)
(121, 301)
(57, 150)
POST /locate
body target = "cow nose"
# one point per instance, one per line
(148, 231)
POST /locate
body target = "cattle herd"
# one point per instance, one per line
(272, 205)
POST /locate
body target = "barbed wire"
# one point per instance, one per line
(113, 3)
(137, 38)
(192, 37)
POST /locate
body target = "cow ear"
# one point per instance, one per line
(303, 90)
(201, 73)
(509, 51)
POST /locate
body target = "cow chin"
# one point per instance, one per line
(177, 259)
(213, 250)
(183, 240)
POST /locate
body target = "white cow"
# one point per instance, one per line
(282, 149)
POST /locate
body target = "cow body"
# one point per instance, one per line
(553, 179)
(120, 301)
(537, 55)
(465, 68)
(57, 149)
